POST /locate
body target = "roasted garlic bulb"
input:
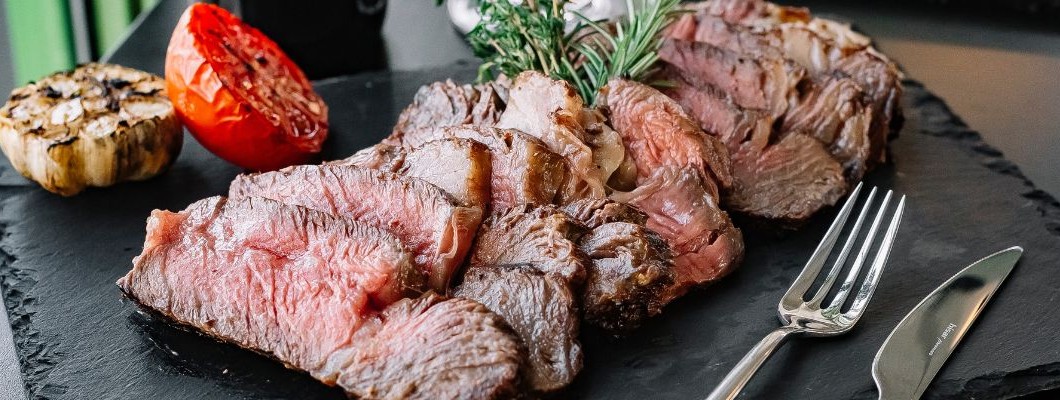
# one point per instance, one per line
(97, 125)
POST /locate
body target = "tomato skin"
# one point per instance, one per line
(222, 120)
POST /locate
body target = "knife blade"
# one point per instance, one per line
(918, 347)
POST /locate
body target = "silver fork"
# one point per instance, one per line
(807, 317)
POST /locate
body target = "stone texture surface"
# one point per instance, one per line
(77, 338)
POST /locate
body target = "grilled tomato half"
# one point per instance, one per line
(239, 94)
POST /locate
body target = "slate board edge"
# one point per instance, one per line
(37, 358)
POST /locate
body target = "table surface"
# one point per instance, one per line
(1000, 77)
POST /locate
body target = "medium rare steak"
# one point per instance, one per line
(541, 236)
(657, 133)
(678, 185)
(758, 83)
(785, 180)
(541, 309)
(217, 243)
(831, 111)
(303, 287)
(430, 222)
(446, 104)
(823, 47)
(460, 167)
(682, 206)
(524, 169)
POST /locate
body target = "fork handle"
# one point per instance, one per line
(749, 364)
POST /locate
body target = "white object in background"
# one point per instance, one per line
(464, 13)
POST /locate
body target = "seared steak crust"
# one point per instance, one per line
(735, 61)
(630, 278)
(542, 310)
(541, 236)
(678, 183)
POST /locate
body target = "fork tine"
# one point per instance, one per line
(820, 255)
(852, 276)
(842, 259)
(873, 276)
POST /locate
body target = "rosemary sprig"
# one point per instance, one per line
(513, 38)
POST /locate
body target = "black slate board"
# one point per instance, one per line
(77, 338)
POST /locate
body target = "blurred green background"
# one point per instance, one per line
(38, 37)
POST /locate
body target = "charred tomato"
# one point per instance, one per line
(239, 94)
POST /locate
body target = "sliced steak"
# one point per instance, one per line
(881, 79)
(824, 48)
(428, 349)
(631, 267)
(269, 247)
(552, 111)
(682, 206)
(717, 115)
(785, 179)
(630, 278)
(656, 133)
(460, 167)
(430, 222)
(541, 309)
(298, 285)
(524, 169)
(752, 82)
(830, 110)
(445, 104)
(787, 182)
(541, 236)
(595, 212)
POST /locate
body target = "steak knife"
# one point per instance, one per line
(920, 344)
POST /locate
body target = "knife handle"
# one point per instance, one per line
(749, 364)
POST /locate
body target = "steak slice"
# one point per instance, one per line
(524, 169)
(831, 110)
(460, 167)
(436, 229)
(781, 177)
(631, 266)
(428, 349)
(682, 207)
(657, 133)
(258, 247)
(680, 195)
(787, 182)
(824, 48)
(542, 310)
(552, 111)
(298, 285)
(445, 104)
(752, 82)
(630, 278)
(541, 236)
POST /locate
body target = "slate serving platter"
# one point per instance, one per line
(77, 338)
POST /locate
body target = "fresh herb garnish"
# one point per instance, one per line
(513, 38)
